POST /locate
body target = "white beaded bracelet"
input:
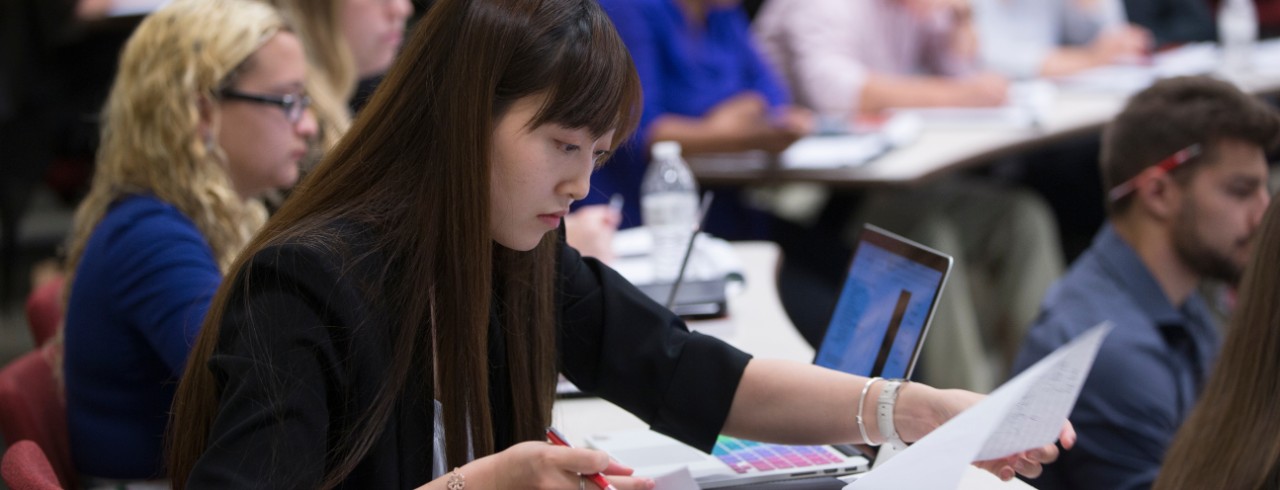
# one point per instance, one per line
(862, 397)
(456, 481)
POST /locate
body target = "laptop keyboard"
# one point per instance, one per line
(745, 456)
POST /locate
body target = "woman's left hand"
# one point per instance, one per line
(929, 408)
(1030, 463)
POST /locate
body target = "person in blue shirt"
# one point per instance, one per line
(207, 112)
(1184, 169)
(706, 87)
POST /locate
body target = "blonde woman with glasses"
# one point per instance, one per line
(207, 113)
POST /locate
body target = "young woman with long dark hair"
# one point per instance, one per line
(401, 320)
(1229, 441)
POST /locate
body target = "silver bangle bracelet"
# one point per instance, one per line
(862, 397)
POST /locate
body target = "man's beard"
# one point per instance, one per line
(1199, 256)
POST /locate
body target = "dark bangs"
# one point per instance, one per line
(583, 67)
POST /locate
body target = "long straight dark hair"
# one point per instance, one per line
(414, 168)
(1232, 438)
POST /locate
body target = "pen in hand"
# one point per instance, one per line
(558, 439)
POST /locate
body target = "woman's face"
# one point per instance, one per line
(536, 172)
(263, 146)
(374, 30)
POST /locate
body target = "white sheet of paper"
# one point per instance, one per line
(817, 152)
(1028, 105)
(679, 479)
(1025, 413)
(1109, 79)
(712, 257)
(1006, 116)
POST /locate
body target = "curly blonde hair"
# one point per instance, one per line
(153, 138)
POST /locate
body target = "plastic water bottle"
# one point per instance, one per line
(669, 208)
(1238, 33)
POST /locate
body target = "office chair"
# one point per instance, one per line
(32, 408)
(25, 467)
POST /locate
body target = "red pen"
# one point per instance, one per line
(558, 439)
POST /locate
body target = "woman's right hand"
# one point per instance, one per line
(539, 465)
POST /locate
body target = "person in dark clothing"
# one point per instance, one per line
(401, 320)
(1173, 22)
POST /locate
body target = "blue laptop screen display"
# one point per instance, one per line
(880, 315)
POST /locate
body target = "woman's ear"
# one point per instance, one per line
(208, 118)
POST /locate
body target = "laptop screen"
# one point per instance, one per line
(884, 308)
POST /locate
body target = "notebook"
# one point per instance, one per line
(877, 329)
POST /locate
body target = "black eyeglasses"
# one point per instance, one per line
(293, 105)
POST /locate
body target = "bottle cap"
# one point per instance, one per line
(663, 150)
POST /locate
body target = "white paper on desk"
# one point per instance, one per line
(1266, 57)
(1025, 413)
(1188, 59)
(836, 151)
(678, 479)
(1109, 79)
(712, 257)
(1129, 78)
(1006, 116)
(1028, 104)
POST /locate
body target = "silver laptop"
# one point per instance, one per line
(877, 329)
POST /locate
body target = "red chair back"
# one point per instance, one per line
(25, 467)
(32, 408)
(44, 309)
